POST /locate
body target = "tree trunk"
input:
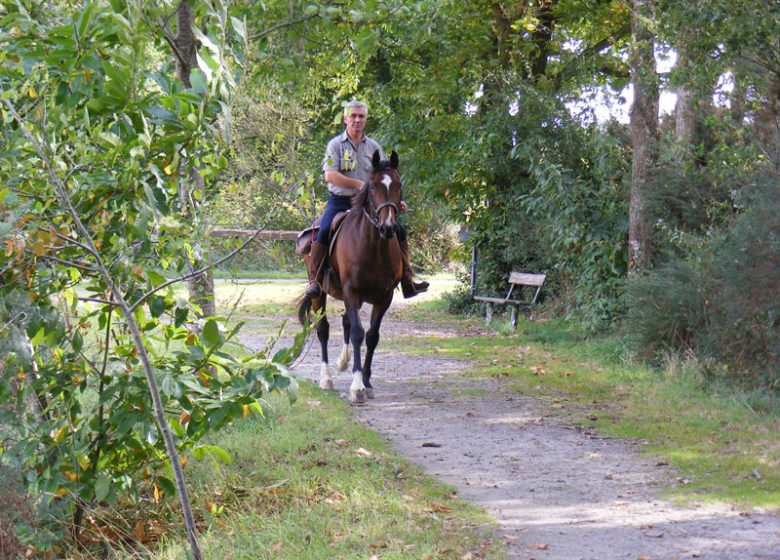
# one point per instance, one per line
(684, 111)
(201, 286)
(644, 134)
(767, 123)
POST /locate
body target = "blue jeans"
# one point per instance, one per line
(336, 203)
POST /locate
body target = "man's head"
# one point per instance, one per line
(355, 115)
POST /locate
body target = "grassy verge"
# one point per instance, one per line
(308, 482)
(724, 445)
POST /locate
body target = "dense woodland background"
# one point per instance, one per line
(133, 128)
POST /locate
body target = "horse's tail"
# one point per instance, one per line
(304, 309)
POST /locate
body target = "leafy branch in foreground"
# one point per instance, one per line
(106, 376)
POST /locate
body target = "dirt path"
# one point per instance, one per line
(558, 493)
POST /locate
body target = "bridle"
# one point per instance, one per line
(373, 217)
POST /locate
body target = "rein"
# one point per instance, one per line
(374, 216)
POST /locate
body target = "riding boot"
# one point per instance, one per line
(316, 268)
(409, 286)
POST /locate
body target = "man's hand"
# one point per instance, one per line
(404, 206)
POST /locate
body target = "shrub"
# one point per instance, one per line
(722, 302)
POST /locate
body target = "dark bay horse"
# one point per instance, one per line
(365, 267)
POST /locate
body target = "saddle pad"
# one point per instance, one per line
(305, 238)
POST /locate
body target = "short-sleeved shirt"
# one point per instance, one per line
(352, 161)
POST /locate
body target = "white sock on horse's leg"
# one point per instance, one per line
(357, 392)
(326, 378)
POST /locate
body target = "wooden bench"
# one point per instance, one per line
(521, 279)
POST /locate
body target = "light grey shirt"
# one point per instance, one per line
(352, 161)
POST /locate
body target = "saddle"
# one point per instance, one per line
(305, 237)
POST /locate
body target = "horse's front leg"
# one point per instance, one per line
(372, 339)
(346, 350)
(357, 391)
(323, 333)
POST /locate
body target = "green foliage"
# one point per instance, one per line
(96, 218)
(722, 303)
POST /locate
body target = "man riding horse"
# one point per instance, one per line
(347, 166)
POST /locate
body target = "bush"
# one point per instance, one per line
(722, 303)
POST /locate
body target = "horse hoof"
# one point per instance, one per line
(327, 385)
(358, 396)
(370, 392)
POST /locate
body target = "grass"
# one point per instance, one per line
(723, 445)
(308, 482)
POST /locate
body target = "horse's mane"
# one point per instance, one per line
(360, 199)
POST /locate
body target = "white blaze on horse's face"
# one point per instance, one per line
(387, 181)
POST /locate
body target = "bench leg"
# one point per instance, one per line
(513, 317)
(488, 313)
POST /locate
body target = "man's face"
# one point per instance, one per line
(355, 121)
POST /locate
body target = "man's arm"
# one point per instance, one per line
(340, 180)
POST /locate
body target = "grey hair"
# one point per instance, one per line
(352, 104)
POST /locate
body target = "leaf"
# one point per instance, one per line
(156, 306)
(211, 334)
(77, 341)
(240, 27)
(102, 487)
(170, 386)
(154, 278)
(109, 138)
(167, 485)
(213, 451)
(39, 337)
(180, 315)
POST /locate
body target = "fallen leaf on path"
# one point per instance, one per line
(537, 370)
(511, 538)
(539, 546)
(431, 444)
(363, 452)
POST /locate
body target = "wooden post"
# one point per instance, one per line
(474, 270)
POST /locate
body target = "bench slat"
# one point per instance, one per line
(501, 300)
(526, 279)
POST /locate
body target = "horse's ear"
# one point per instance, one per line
(394, 160)
(376, 159)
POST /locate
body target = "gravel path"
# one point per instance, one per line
(557, 492)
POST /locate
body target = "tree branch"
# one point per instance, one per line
(597, 48)
(304, 19)
(195, 273)
(159, 413)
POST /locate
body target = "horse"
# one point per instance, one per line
(365, 267)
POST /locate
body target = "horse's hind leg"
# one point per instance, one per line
(346, 350)
(323, 333)
(372, 339)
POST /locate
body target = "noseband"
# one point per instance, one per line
(373, 217)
